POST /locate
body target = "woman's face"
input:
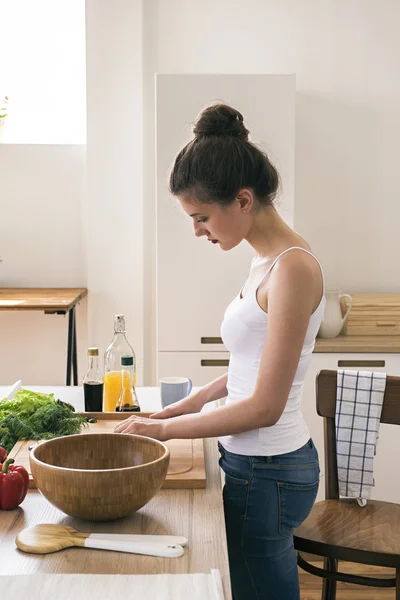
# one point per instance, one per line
(225, 226)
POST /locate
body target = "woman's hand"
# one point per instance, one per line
(191, 404)
(142, 426)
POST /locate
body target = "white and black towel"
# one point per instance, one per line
(358, 411)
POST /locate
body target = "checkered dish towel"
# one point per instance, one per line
(359, 401)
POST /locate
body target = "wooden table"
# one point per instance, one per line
(51, 301)
(195, 514)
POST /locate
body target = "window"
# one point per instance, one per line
(43, 71)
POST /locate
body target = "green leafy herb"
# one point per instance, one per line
(36, 416)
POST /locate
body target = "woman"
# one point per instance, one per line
(227, 186)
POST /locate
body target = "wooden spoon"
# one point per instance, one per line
(43, 539)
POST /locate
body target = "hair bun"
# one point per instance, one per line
(219, 120)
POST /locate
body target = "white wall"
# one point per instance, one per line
(346, 56)
(113, 213)
(41, 192)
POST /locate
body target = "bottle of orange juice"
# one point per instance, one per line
(127, 401)
(112, 364)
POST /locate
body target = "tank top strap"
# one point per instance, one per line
(288, 250)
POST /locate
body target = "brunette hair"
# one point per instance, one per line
(220, 160)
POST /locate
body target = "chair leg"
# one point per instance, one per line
(398, 583)
(329, 585)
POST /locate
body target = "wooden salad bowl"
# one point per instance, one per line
(99, 476)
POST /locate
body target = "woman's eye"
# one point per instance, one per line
(202, 220)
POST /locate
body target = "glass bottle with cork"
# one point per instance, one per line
(127, 400)
(93, 383)
(112, 365)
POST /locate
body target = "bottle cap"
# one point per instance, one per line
(93, 351)
(126, 360)
(119, 324)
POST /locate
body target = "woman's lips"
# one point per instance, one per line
(213, 241)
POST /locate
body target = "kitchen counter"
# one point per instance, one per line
(359, 343)
(193, 513)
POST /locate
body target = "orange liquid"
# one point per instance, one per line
(112, 389)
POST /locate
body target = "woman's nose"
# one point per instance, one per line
(199, 230)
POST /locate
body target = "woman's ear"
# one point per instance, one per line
(245, 199)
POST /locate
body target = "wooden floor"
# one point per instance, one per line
(311, 587)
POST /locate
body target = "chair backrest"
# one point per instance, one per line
(326, 407)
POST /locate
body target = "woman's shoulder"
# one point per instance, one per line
(296, 272)
(296, 262)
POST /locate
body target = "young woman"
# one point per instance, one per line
(227, 186)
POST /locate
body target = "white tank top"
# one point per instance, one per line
(243, 332)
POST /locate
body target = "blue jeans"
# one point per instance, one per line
(265, 497)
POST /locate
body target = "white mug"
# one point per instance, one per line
(173, 389)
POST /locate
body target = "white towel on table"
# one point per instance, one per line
(358, 411)
(45, 586)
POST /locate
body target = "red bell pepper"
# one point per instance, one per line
(14, 482)
(3, 454)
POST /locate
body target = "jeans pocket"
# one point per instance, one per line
(232, 470)
(236, 489)
(235, 480)
(295, 503)
(235, 496)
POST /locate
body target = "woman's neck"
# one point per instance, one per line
(269, 234)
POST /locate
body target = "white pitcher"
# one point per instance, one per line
(333, 321)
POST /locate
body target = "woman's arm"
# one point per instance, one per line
(216, 389)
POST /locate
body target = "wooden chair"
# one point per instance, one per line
(340, 529)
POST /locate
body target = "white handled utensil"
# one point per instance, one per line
(142, 538)
(43, 539)
(13, 390)
(155, 549)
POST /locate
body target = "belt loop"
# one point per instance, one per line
(252, 468)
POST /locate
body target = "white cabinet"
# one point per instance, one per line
(387, 487)
(200, 367)
(195, 279)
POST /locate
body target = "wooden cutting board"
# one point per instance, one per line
(186, 467)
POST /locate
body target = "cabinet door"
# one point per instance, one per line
(195, 279)
(387, 487)
(200, 367)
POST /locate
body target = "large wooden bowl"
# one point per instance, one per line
(99, 476)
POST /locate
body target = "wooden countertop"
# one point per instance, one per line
(359, 343)
(47, 299)
(195, 514)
